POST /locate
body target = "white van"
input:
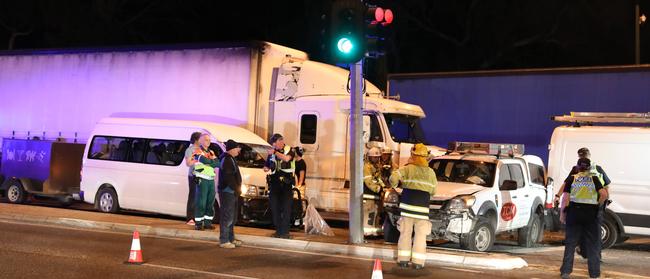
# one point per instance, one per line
(623, 152)
(138, 164)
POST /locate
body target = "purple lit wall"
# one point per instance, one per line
(70, 92)
(517, 108)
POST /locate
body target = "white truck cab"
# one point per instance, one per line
(484, 189)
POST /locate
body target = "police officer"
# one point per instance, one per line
(205, 163)
(372, 186)
(418, 183)
(281, 167)
(604, 179)
(586, 194)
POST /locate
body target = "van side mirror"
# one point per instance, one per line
(508, 185)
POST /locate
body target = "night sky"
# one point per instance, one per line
(427, 35)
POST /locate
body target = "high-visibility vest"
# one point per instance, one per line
(283, 167)
(583, 188)
(419, 183)
(202, 170)
(372, 181)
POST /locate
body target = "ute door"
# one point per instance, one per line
(512, 209)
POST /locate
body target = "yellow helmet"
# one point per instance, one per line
(374, 152)
(386, 150)
(420, 150)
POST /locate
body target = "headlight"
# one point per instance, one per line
(391, 196)
(462, 202)
(249, 190)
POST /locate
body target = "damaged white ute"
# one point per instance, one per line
(483, 189)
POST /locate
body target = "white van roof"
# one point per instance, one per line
(221, 132)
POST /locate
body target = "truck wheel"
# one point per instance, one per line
(533, 233)
(15, 192)
(481, 238)
(391, 234)
(106, 201)
(608, 233)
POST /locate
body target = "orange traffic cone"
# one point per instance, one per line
(376, 270)
(135, 257)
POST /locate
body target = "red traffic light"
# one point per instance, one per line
(388, 17)
(375, 15)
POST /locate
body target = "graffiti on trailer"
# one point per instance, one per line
(25, 158)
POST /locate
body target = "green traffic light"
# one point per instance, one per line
(345, 45)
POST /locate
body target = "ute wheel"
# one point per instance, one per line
(106, 201)
(391, 234)
(16, 193)
(481, 238)
(608, 233)
(533, 233)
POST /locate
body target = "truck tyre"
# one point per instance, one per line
(533, 233)
(15, 192)
(106, 201)
(481, 238)
(391, 234)
(609, 233)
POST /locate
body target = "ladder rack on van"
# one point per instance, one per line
(605, 117)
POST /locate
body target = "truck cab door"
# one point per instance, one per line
(513, 205)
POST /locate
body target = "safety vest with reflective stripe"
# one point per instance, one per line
(203, 167)
(419, 183)
(583, 189)
(284, 167)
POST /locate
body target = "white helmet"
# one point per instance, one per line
(386, 150)
(374, 152)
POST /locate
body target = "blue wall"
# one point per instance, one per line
(517, 108)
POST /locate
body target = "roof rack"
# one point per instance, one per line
(605, 117)
(482, 148)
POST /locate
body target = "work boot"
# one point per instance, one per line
(198, 227)
(227, 245)
(209, 227)
(418, 266)
(403, 264)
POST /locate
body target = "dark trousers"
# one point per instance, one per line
(583, 243)
(582, 223)
(190, 197)
(281, 200)
(227, 217)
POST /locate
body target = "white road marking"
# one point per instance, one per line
(199, 271)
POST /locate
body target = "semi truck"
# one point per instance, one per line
(259, 86)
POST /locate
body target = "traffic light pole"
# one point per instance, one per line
(356, 153)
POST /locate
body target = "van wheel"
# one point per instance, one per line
(608, 233)
(15, 192)
(533, 233)
(106, 201)
(481, 238)
(391, 234)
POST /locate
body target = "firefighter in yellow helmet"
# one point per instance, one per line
(419, 183)
(388, 165)
(372, 187)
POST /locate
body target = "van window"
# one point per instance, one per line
(308, 123)
(138, 149)
(109, 148)
(165, 152)
(536, 174)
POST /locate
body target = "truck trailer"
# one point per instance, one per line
(262, 87)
